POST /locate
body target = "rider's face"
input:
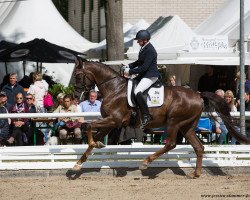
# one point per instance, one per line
(141, 42)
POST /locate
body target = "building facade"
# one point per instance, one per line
(87, 17)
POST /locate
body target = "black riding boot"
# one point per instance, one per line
(146, 117)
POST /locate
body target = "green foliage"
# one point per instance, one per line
(60, 88)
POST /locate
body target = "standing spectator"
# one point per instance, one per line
(64, 121)
(38, 89)
(209, 81)
(220, 127)
(19, 125)
(92, 104)
(4, 124)
(247, 87)
(12, 89)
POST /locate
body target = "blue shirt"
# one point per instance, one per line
(87, 106)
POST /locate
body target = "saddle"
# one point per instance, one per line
(154, 94)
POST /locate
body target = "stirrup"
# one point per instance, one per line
(146, 119)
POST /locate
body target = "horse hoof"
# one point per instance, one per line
(143, 166)
(77, 167)
(193, 175)
(99, 145)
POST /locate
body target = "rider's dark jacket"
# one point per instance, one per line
(146, 65)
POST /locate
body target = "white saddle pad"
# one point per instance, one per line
(155, 96)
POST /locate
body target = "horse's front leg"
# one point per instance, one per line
(91, 143)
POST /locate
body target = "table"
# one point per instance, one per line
(43, 123)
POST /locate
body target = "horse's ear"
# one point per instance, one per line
(79, 63)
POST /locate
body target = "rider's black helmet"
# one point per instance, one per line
(142, 35)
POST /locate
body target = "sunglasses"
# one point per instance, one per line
(19, 98)
(28, 98)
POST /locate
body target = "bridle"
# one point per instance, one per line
(86, 88)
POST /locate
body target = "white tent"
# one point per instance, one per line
(170, 38)
(22, 21)
(226, 20)
(129, 33)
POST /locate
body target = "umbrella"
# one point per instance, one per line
(39, 50)
(5, 45)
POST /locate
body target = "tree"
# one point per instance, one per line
(62, 7)
(114, 29)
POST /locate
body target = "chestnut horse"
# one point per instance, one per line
(180, 111)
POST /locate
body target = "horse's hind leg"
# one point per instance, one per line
(171, 144)
(199, 150)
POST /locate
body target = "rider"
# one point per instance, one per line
(146, 68)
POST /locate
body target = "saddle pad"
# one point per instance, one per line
(155, 96)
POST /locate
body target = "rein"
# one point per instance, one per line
(106, 81)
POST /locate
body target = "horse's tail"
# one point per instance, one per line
(215, 102)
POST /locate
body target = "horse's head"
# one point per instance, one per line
(84, 78)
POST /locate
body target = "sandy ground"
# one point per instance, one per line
(106, 187)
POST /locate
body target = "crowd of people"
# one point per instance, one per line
(16, 99)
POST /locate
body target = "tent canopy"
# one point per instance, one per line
(168, 35)
(31, 19)
(39, 50)
(226, 21)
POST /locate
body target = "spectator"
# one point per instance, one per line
(60, 99)
(4, 101)
(229, 97)
(12, 89)
(247, 87)
(38, 89)
(4, 124)
(63, 122)
(30, 124)
(92, 104)
(75, 102)
(19, 126)
(172, 80)
(220, 127)
(208, 82)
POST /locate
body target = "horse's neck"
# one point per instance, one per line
(106, 79)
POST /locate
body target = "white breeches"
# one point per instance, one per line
(144, 84)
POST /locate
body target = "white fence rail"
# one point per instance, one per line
(87, 115)
(129, 156)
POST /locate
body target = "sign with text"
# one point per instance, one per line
(208, 43)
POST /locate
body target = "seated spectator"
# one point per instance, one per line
(31, 125)
(229, 98)
(220, 127)
(38, 89)
(19, 126)
(92, 104)
(4, 101)
(172, 80)
(12, 88)
(75, 102)
(67, 124)
(59, 98)
(4, 124)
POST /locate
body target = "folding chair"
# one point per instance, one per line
(204, 130)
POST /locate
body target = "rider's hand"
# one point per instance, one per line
(126, 72)
(124, 66)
